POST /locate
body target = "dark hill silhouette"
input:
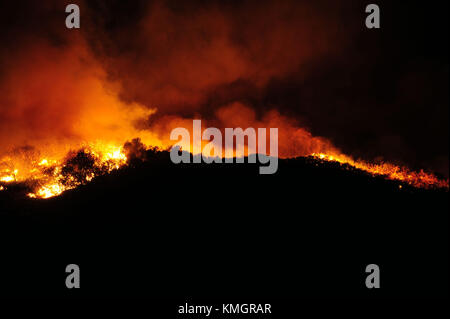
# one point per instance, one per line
(155, 228)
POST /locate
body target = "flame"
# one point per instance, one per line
(48, 191)
(388, 170)
(51, 177)
(7, 179)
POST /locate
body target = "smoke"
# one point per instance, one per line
(183, 58)
(142, 68)
(293, 140)
(214, 61)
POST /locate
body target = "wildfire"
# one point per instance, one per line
(390, 171)
(51, 177)
(9, 176)
(48, 191)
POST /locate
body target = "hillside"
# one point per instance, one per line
(154, 228)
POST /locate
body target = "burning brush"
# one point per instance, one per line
(49, 177)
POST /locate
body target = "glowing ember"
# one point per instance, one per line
(390, 171)
(48, 191)
(51, 177)
(7, 179)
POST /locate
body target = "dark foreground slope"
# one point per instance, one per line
(157, 229)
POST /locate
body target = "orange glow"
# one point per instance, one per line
(390, 171)
(52, 177)
(65, 101)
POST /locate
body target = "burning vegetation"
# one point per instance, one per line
(390, 171)
(48, 177)
(70, 100)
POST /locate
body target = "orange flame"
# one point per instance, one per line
(390, 171)
(51, 177)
